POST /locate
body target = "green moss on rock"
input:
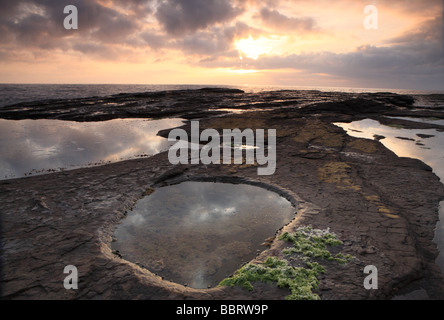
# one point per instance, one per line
(300, 281)
(312, 243)
(308, 244)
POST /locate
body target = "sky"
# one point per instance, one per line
(231, 42)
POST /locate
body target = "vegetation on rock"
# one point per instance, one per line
(309, 244)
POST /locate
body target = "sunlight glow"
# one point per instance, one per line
(254, 48)
(242, 71)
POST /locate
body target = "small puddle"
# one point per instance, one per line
(198, 233)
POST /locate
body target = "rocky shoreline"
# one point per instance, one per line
(383, 208)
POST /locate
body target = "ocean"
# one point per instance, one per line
(16, 93)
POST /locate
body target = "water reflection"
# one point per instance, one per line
(404, 142)
(425, 145)
(198, 233)
(422, 120)
(39, 146)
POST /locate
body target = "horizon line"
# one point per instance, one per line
(223, 85)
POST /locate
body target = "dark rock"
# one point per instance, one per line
(352, 106)
(405, 138)
(221, 90)
(378, 137)
(425, 136)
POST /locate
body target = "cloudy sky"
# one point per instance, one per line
(255, 42)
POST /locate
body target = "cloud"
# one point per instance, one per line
(155, 40)
(188, 25)
(139, 8)
(37, 25)
(414, 59)
(216, 41)
(431, 31)
(179, 17)
(417, 6)
(279, 21)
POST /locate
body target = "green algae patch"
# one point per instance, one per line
(313, 243)
(308, 245)
(300, 281)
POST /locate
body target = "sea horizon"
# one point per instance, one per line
(12, 93)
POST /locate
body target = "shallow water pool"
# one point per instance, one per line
(198, 233)
(42, 146)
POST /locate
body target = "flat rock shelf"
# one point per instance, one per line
(383, 208)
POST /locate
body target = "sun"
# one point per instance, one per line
(253, 48)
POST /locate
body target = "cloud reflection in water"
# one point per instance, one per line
(41, 145)
(200, 232)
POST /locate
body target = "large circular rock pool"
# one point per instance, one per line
(198, 233)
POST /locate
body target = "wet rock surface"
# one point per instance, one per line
(384, 208)
(192, 104)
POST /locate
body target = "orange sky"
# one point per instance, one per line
(286, 42)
